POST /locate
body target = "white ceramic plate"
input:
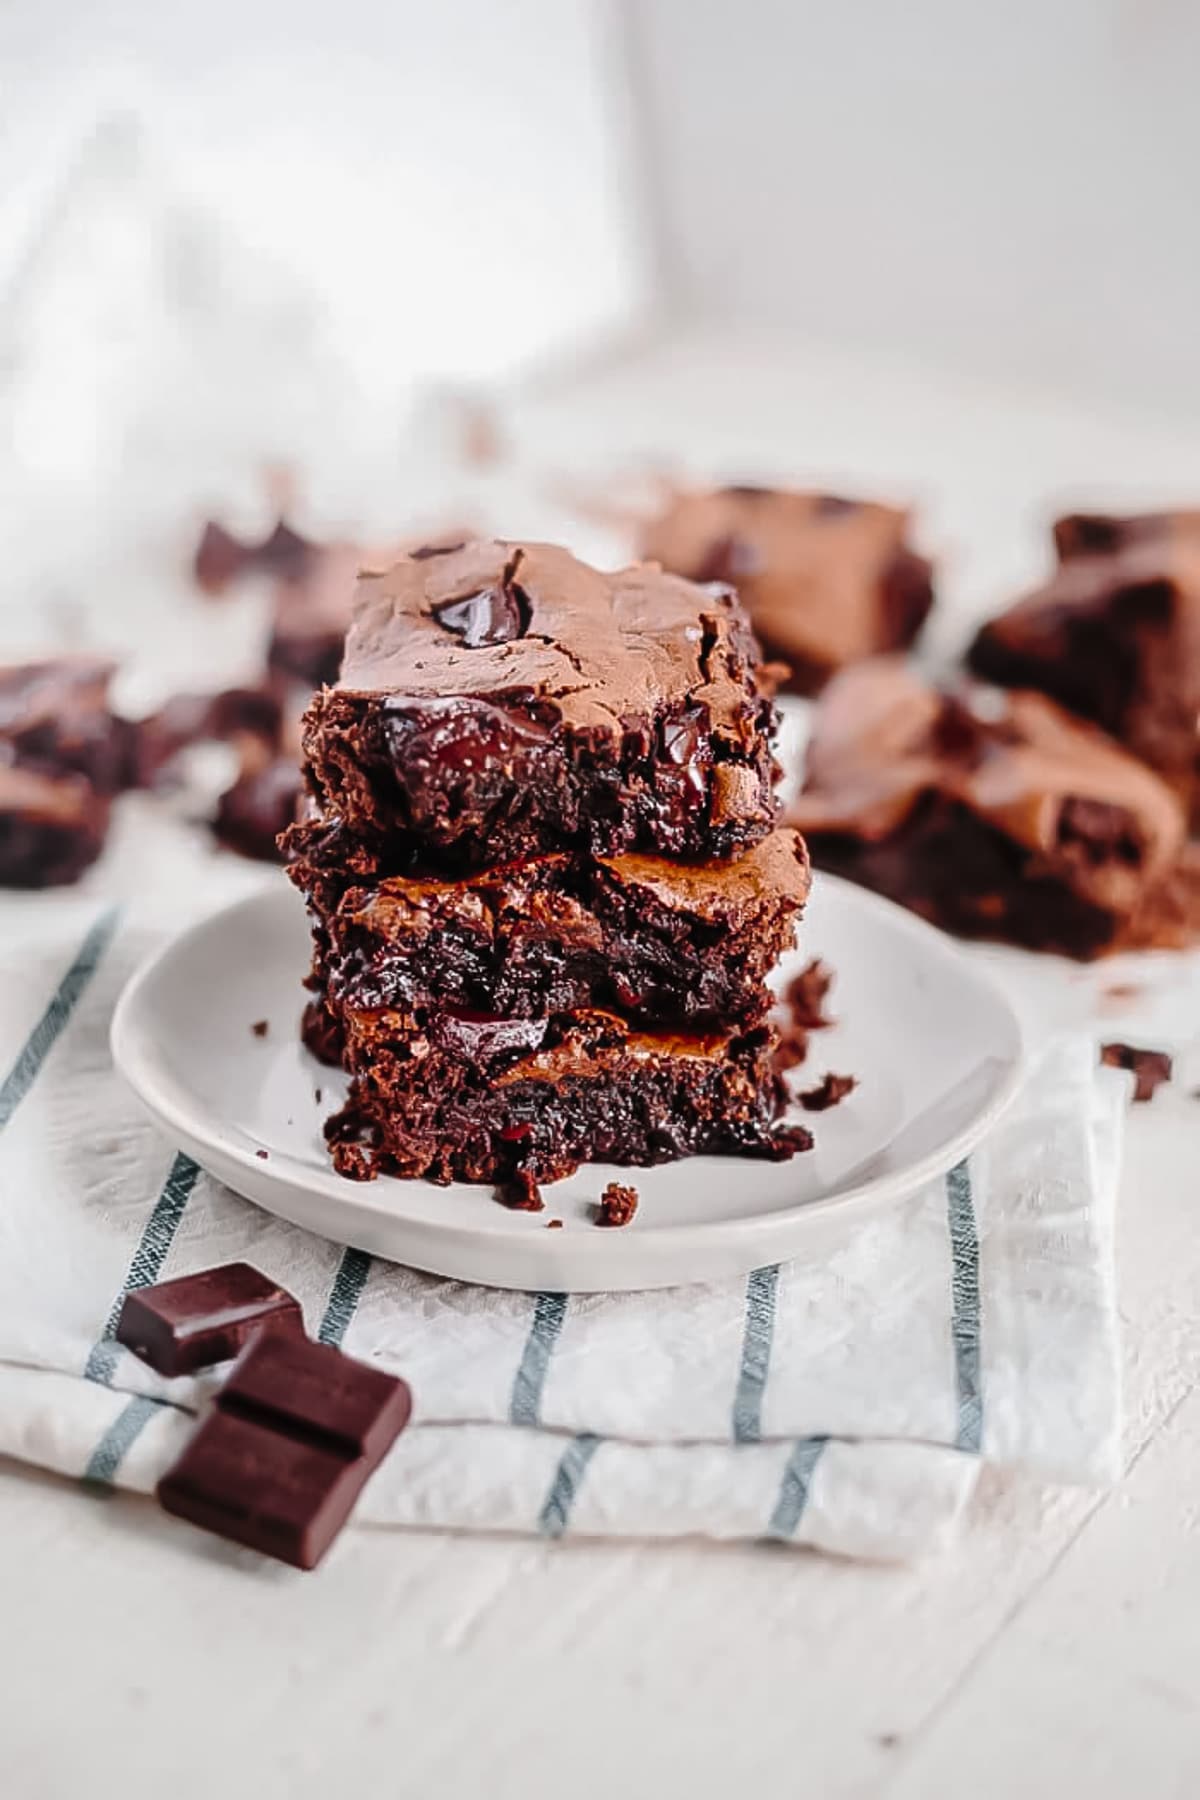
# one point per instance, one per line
(934, 1043)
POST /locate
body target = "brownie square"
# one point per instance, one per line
(994, 815)
(1115, 636)
(468, 1098)
(51, 828)
(55, 717)
(502, 700)
(826, 580)
(677, 943)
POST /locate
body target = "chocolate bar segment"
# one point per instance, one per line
(286, 1497)
(314, 1391)
(197, 1320)
(503, 700)
(297, 1431)
(826, 580)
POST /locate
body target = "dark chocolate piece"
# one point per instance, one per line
(661, 941)
(1115, 636)
(826, 581)
(296, 1432)
(617, 1205)
(197, 1320)
(1150, 1068)
(994, 815)
(630, 713)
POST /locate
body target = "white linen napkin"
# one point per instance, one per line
(843, 1404)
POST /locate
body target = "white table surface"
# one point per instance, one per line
(1054, 1651)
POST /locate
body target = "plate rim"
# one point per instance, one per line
(203, 1134)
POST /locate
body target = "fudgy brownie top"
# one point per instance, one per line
(498, 700)
(826, 580)
(492, 619)
(884, 738)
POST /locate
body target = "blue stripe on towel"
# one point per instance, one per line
(964, 1250)
(49, 1027)
(568, 1478)
(794, 1488)
(761, 1288)
(128, 1425)
(344, 1296)
(525, 1407)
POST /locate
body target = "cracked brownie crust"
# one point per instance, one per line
(499, 700)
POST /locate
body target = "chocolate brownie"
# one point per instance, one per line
(51, 827)
(503, 700)
(1115, 636)
(256, 810)
(668, 942)
(826, 581)
(464, 1097)
(312, 607)
(55, 718)
(993, 814)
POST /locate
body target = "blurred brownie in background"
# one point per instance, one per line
(63, 754)
(1115, 636)
(826, 580)
(995, 815)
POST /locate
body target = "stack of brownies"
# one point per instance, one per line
(543, 870)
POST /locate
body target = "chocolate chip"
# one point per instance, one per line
(219, 559)
(285, 553)
(494, 615)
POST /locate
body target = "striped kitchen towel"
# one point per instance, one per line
(845, 1404)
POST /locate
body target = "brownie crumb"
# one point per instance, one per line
(828, 1092)
(317, 1095)
(788, 1141)
(521, 1193)
(1149, 1068)
(553, 1224)
(806, 995)
(261, 1154)
(260, 1028)
(617, 1205)
(791, 1049)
